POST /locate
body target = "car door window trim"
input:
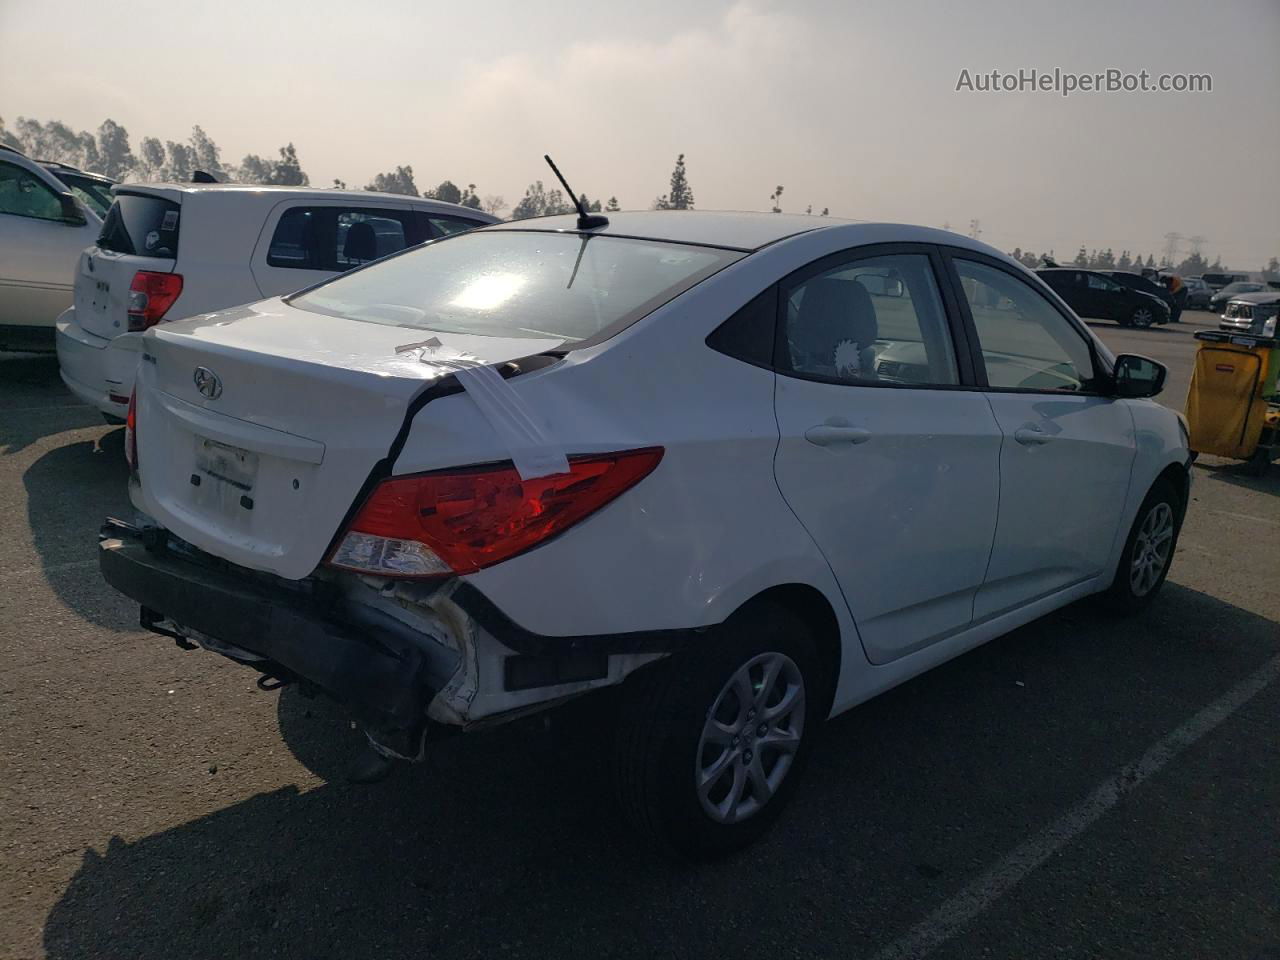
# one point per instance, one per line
(965, 371)
(1102, 372)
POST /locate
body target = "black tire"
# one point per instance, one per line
(661, 721)
(1142, 317)
(1125, 597)
(1259, 463)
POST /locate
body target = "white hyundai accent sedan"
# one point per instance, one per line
(760, 467)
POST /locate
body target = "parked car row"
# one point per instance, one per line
(437, 482)
(1132, 301)
(1218, 302)
(177, 250)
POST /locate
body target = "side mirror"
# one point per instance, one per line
(1137, 376)
(72, 215)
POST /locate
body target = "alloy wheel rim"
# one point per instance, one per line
(750, 738)
(1142, 317)
(1151, 549)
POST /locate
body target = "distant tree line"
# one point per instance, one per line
(1191, 266)
(109, 152)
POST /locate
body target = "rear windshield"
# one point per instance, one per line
(517, 283)
(141, 224)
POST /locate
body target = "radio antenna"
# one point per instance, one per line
(586, 221)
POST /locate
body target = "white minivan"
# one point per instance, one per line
(168, 251)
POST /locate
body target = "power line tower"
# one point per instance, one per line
(1171, 242)
(975, 231)
(1197, 242)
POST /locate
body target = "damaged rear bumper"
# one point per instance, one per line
(398, 655)
(385, 672)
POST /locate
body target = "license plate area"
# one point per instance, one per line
(225, 465)
(99, 294)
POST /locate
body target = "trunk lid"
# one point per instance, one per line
(257, 426)
(140, 233)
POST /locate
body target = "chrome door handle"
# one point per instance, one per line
(825, 434)
(1031, 436)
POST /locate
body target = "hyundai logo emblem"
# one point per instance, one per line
(207, 383)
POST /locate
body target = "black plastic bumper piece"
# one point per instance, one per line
(377, 670)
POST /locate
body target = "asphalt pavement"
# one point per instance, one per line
(1083, 787)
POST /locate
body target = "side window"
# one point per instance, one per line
(1026, 344)
(337, 238)
(443, 226)
(1098, 282)
(23, 194)
(365, 235)
(874, 320)
(294, 244)
(750, 333)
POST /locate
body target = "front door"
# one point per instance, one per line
(891, 464)
(1067, 450)
(38, 250)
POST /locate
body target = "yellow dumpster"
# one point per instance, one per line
(1227, 410)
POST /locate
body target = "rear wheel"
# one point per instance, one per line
(1142, 317)
(712, 741)
(1148, 552)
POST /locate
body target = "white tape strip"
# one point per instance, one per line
(533, 452)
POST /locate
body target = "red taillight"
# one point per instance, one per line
(150, 297)
(131, 432)
(459, 521)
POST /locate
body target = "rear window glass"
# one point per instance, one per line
(336, 238)
(443, 226)
(513, 283)
(143, 225)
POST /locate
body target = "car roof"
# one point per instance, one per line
(274, 194)
(1259, 296)
(55, 167)
(742, 230)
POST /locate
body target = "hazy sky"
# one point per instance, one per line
(849, 105)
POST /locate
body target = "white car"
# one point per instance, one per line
(168, 251)
(49, 212)
(771, 465)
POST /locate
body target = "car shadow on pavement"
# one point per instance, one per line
(36, 404)
(70, 490)
(508, 842)
(1238, 473)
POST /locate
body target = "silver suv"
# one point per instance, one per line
(1252, 313)
(49, 212)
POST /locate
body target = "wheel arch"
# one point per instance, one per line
(812, 606)
(1179, 477)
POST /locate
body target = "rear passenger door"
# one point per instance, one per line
(1068, 445)
(887, 454)
(304, 242)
